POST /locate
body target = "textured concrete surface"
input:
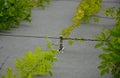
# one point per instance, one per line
(78, 61)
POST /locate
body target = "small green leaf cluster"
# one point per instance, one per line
(84, 11)
(110, 44)
(41, 3)
(110, 12)
(13, 11)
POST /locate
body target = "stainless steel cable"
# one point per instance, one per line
(83, 39)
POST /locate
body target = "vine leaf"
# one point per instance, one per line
(104, 71)
(70, 42)
(106, 49)
(98, 45)
(103, 35)
(96, 19)
(51, 74)
(101, 67)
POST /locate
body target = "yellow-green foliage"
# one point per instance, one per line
(9, 74)
(84, 11)
(38, 62)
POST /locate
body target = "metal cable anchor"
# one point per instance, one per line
(61, 47)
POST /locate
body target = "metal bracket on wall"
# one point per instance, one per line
(61, 47)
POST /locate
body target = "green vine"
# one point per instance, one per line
(84, 11)
(111, 57)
